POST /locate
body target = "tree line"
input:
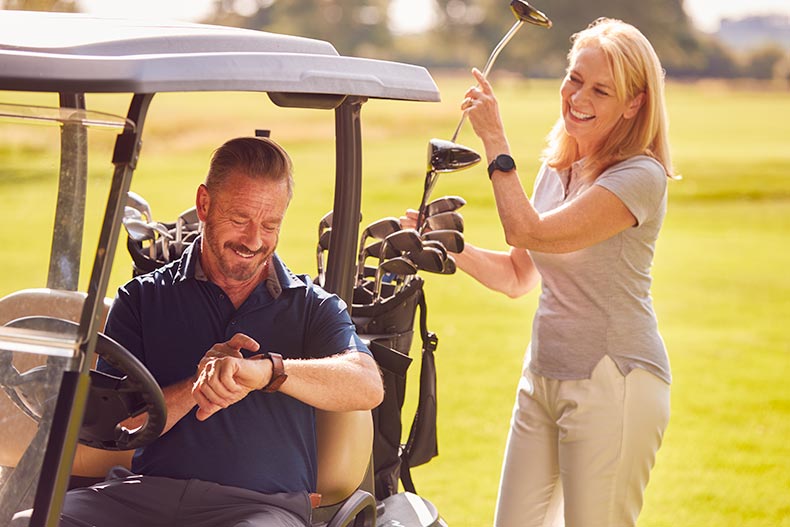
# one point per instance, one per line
(466, 31)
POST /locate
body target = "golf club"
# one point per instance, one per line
(138, 202)
(378, 230)
(373, 251)
(430, 259)
(444, 204)
(444, 156)
(321, 247)
(399, 265)
(452, 240)
(523, 13)
(443, 221)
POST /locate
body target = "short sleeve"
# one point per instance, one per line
(640, 183)
(331, 330)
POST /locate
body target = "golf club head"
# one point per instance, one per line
(444, 204)
(403, 241)
(374, 251)
(526, 13)
(432, 244)
(449, 265)
(398, 266)
(321, 247)
(450, 220)
(452, 240)
(430, 259)
(138, 202)
(447, 156)
(138, 229)
(325, 222)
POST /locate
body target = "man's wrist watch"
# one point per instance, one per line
(503, 163)
(278, 373)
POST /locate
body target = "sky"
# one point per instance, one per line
(412, 14)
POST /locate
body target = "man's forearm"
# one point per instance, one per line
(346, 382)
(179, 402)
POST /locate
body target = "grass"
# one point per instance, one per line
(722, 290)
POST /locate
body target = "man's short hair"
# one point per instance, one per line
(257, 157)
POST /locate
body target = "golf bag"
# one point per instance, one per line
(389, 326)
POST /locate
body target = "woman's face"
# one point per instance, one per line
(590, 108)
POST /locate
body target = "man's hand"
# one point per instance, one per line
(225, 377)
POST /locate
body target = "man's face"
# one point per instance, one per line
(242, 220)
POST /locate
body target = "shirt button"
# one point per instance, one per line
(233, 323)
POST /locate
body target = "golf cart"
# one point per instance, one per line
(59, 418)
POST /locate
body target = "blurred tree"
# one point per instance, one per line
(540, 52)
(66, 6)
(354, 27)
(765, 62)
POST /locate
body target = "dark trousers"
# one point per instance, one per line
(137, 501)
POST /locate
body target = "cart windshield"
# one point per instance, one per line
(53, 199)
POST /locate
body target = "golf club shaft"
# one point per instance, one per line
(490, 64)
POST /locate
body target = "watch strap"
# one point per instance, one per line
(278, 373)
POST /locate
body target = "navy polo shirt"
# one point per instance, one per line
(266, 442)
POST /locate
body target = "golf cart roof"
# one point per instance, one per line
(88, 54)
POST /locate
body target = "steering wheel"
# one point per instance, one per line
(111, 400)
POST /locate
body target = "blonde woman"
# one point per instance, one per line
(593, 400)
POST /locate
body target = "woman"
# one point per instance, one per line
(593, 400)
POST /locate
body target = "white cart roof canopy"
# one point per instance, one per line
(63, 52)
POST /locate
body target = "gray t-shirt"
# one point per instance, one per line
(596, 301)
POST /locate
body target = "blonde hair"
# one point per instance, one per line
(636, 69)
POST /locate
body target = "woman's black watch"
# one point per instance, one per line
(503, 163)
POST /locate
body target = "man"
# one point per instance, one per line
(245, 351)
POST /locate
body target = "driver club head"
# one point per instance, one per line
(447, 156)
(526, 13)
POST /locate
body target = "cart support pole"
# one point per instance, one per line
(73, 395)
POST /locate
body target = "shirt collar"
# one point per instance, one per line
(278, 278)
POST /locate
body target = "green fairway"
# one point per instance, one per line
(721, 289)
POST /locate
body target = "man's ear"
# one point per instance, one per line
(202, 202)
(634, 106)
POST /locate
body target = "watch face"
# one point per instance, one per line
(505, 163)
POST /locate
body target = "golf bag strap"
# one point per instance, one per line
(427, 391)
(390, 359)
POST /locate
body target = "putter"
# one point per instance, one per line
(523, 13)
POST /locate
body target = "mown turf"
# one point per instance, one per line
(722, 289)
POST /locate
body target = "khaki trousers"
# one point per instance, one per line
(579, 452)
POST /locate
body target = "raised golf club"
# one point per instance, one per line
(523, 13)
(444, 156)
